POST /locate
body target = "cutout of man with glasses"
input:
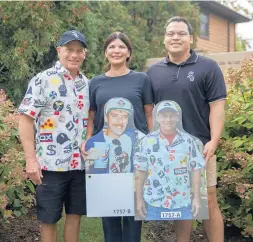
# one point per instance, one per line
(168, 169)
(110, 150)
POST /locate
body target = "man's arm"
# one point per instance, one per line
(90, 125)
(148, 113)
(26, 134)
(216, 120)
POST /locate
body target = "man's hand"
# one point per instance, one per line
(141, 208)
(210, 149)
(33, 171)
(195, 206)
(84, 153)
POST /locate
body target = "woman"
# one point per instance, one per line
(120, 81)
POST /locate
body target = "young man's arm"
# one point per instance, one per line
(216, 120)
(26, 134)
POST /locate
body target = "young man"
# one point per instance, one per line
(196, 83)
(168, 166)
(56, 104)
(110, 150)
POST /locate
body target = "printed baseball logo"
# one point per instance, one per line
(49, 124)
(75, 34)
(53, 94)
(85, 122)
(27, 101)
(39, 103)
(51, 150)
(180, 171)
(58, 106)
(68, 149)
(62, 138)
(30, 90)
(80, 84)
(121, 103)
(46, 137)
(37, 81)
(62, 90)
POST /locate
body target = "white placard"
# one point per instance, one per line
(110, 195)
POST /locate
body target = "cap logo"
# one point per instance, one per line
(75, 34)
(166, 105)
(121, 103)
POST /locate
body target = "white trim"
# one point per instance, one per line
(218, 100)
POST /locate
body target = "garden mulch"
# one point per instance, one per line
(26, 229)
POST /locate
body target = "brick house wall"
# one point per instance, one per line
(218, 36)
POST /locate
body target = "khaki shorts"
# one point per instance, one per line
(211, 173)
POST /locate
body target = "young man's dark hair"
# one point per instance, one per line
(179, 19)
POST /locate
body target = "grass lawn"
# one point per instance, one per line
(91, 230)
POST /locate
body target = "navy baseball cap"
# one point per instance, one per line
(72, 35)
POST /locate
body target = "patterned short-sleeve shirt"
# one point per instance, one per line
(169, 168)
(60, 107)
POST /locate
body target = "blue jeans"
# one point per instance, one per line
(121, 229)
(154, 213)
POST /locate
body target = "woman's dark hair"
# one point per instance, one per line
(118, 35)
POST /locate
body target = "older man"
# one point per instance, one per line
(56, 104)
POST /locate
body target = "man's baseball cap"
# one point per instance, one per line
(72, 35)
(168, 105)
(118, 104)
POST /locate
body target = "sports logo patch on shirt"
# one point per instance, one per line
(80, 85)
(58, 106)
(180, 171)
(46, 137)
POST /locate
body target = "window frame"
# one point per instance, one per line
(204, 36)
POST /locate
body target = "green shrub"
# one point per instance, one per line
(236, 153)
(15, 190)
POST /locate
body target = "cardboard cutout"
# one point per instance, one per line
(109, 162)
(170, 180)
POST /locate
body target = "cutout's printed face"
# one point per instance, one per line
(168, 121)
(117, 121)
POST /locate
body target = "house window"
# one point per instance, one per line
(204, 25)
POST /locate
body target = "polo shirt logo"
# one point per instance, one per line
(191, 76)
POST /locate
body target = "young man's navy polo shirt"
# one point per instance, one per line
(193, 84)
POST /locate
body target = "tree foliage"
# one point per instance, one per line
(30, 31)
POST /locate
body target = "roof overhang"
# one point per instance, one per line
(223, 11)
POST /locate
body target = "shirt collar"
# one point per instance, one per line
(178, 133)
(191, 60)
(61, 70)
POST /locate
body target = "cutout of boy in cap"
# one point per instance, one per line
(57, 99)
(168, 169)
(110, 150)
